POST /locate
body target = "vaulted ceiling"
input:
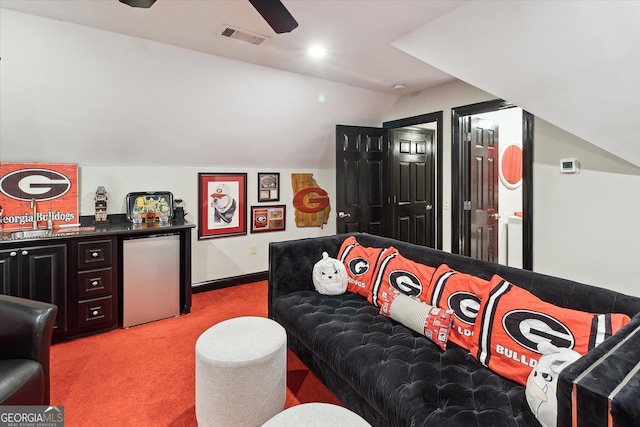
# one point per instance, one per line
(575, 64)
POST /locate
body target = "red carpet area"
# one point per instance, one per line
(145, 375)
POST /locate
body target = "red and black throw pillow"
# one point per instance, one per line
(512, 322)
(402, 274)
(461, 293)
(361, 263)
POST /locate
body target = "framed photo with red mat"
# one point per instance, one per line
(222, 205)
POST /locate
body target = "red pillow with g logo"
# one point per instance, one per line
(512, 322)
(462, 293)
(361, 263)
(396, 272)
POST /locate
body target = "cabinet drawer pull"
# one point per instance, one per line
(95, 312)
(13, 253)
(25, 252)
(94, 254)
(94, 283)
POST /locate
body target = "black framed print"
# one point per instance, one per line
(268, 186)
(268, 218)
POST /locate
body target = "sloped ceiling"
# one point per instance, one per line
(357, 34)
(575, 64)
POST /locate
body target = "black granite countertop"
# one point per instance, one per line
(116, 225)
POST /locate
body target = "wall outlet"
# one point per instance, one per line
(253, 249)
(446, 205)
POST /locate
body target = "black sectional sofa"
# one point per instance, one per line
(391, 375)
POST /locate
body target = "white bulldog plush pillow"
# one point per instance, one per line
(543, 382)
(329, 276)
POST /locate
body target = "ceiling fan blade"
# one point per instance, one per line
(139, 3)
(276, 15)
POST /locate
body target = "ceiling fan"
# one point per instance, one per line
(273, 11)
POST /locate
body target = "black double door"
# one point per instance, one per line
(385, 182)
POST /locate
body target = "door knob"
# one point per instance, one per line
(343, 215)
(495, 216)
(428, 207)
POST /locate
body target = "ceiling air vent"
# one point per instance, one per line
(242, 35)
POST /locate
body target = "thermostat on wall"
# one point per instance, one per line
(569, 165)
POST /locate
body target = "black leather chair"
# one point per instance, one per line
(25, 342)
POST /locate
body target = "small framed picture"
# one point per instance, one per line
(268, 186)
(222, 205)
(268, 218)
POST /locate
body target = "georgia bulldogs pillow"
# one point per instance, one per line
(402, 274)
(462, 293)
(361, 263)
(512, 322)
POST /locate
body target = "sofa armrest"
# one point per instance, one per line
(614, 350)
(291, 263)
(26, 327)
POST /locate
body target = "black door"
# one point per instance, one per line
(483, 188)
(360, 170)
(412, 185)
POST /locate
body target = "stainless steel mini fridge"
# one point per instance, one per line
(151, 278)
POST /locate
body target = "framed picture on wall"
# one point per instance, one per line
(222, 205)
(268, 218)
(268, 186)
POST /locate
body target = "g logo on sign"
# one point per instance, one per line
(405, 282)
(321, 201)
(39, 184)
(465, 306)
(358, 266)
(529, 328)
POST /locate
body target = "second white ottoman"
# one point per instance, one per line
(317, 414)
(241, 369)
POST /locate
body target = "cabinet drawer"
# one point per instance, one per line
(95, 311)
(94, 283)
(94, 254)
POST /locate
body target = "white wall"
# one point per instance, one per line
(72, 93)
(137, 115)
(585, 226)
(211, 258)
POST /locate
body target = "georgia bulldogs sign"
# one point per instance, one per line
(39, 184)
(53, 186)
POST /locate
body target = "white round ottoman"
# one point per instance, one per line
(316, 415)
(241, 369)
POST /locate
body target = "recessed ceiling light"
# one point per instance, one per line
(399, 86)
(317, 51)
